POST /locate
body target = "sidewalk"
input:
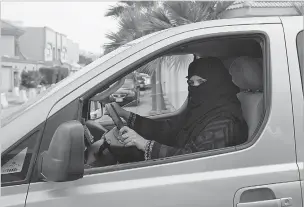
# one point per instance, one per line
(13, 104)
(12, 99)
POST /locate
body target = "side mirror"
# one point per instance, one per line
(96, 110)
(64, 160)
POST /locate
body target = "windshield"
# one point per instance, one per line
(13, 113)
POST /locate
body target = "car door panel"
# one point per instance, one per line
(159, 186)
(70, 112)
(17, 164)
(270, 195)
(14, 196)
(291, 30)
(210, 181)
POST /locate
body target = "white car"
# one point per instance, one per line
(42, 160)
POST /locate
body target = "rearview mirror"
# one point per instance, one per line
(96, 110)
(64, 160)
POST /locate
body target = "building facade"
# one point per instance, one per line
(30, 48)
(13, 61)
(73, 53)
(54, 48)
(44, 44)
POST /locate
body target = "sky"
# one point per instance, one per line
(82, 22)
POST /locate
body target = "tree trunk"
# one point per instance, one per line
(163, 104)
(158, 90)
(158, 101)
(153, 82)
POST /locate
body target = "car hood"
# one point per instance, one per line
(123, 91)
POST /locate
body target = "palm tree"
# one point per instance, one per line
(299, 8)
(136, 19)
(120, 7)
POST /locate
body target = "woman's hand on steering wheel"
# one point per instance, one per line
(130, 138)
(120, 111)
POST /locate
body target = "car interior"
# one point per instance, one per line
(242, 56)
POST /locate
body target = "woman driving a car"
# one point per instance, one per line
(213, 117)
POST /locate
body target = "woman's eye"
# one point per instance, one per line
(201, 81)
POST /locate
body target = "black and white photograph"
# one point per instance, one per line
(152, 103)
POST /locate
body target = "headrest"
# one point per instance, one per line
(247, 73)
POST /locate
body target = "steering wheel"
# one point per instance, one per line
(96, 129)
(95, 152)
(117, 150)
(122, 154)
(93, 132)
(114, 115)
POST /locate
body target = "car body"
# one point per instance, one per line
(141, 82)
(266, 172)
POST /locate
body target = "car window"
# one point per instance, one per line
(157, 91)
(15, 164)
(300, 42)
(164, 88)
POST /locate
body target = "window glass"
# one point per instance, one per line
(15, 164)
(300, 42)
(159, 87)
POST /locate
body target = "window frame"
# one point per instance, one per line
(266, 84)
(300, 53)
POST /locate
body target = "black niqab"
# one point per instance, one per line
(216, 95)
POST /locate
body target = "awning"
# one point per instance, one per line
(263, 8)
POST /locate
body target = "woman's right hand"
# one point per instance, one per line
(120, 111)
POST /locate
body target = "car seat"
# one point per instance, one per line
(247, 74)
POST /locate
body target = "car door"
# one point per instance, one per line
(16, 168)
(262, 173)
(294, 35)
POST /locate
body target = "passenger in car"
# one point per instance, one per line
(212, 120)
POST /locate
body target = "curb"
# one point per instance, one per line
(23, 97)
(16, 92)
(3, 99)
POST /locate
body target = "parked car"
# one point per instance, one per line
(128, 93)
(141, 82)
(144, 81)
(43, 150)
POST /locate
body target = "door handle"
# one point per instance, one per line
(283, 202)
